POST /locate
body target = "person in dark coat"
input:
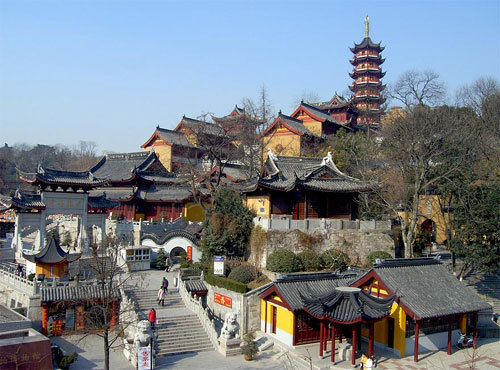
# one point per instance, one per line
(164, 285)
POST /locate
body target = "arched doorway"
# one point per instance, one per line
(176, 253)
(429, 227)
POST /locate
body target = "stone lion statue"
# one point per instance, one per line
(231, 328)
(143, 334)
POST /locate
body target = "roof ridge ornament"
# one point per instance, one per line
(272, 155)
(327, 159)
(40, 169)
(367, 26)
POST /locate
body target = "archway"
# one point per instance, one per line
(176, 253)
(429, 227)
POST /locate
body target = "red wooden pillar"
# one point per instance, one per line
(359, 336)
(370, 340)
(450, 324)
(474, 340)
(325, 336)
(354, 331)
(415, 350)
(45, 319)
(265, 318)
(321, 335)
(333, 343)
(113, 315)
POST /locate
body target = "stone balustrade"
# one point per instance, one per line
(285, 223)
(18, 282)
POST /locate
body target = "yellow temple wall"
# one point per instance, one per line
(260, 204)
(283, 142)
(194, 212)
(312, 125)
(164, 153)
(284, 321)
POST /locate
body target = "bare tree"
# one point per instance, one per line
(477, 94)
(418, 88)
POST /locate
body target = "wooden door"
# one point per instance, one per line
(390, 333)
(275, 317)
(307, 329)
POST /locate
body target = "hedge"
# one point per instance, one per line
(377, 254)
(335, 259)
(311, 260)
(283, 260)
(226, 283)
(243, 274)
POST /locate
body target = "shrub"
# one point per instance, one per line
(261, 280)
(377, 254)
(335, 260)
(31, 277)
(161, 260)
(249, 347)
(226, 283)
(243, 274)
(283, 260)
(311, 260)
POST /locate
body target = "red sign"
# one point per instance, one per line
(190, 253)
(223, 300)
(79, 317)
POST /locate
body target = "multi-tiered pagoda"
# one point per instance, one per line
(367, 86)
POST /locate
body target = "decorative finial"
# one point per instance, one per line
(367, 26)
(280, 112)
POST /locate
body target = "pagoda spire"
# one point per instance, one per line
(367, 26)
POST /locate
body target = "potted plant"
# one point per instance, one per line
(249, 347)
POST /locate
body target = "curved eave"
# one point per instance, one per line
(379, 73)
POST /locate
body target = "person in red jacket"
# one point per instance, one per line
(152, 318)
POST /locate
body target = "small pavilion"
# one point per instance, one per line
(51, 260)
(346, 308)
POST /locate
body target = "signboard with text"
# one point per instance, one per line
(223, 300)
(219, 265)
(190, 253)
(144, 358)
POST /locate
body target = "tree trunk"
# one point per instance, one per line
(106, 349)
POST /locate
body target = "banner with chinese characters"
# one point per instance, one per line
(79, 317)
(144, 358)
(190, 253)
(223, 300)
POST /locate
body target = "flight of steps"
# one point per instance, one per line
(487, 286)
(178, 332)
(181, 334)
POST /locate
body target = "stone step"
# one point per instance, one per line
(204, 348)
(181, 342)
(166, 337)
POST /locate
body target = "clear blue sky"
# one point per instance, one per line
(110, 71)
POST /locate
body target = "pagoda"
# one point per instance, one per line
(367, 85)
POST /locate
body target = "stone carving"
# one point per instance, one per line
(231, 328)
(143, 334)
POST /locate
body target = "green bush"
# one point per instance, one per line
(31, 277)
(377, 254)
(283, 260)
(226, 283)
(243, 274)
(311, 260)
(161, 259)
(335, 260)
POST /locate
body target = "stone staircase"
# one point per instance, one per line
(179, 330)
(487, 286)
(181, 334)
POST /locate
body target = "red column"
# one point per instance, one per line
(359, 336)
(265, 318)
(450, 324)
(370, 340)
(415, 350)
(113, 315)
(474, 319)
(333, 343)
(45, 319)
(325, 336)
(321, 335)
(353, 359)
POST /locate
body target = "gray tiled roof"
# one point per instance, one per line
(346, 304)
(51, 253)
(190, 232)
(56, 177)
(114, 193)
(325, 116)
(430, 290)
(162, 192)
(286, 173)
(296, 124)
(82, 292)
(367, 43)
(22, 200)
(202, 127)
(196, 286)
(321, 285)
(123, 166)
(102, 202)
(174, 137)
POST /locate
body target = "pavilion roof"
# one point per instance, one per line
(63, 178)
(80, 292)
(22, 201)
(51, 253)
(320, 174)
(367, 43)
(123, 166)
(427, 289)
(346, 305)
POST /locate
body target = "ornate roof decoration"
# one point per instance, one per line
(320, 174)
(48, 176)
(367, 43)
(51, 253)
(346, 305)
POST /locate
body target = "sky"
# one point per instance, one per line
(111, 71)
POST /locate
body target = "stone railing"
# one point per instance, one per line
(17, 282)
(285, 223)
(195, 305)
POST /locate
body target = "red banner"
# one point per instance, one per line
(190, 253)
(223, 300)
(79, 317)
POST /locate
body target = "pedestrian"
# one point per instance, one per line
(167, 264)
(164, 285)
(369, 363)
(152, 318)
(363, 361)
(161, 297)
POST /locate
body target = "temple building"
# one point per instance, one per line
(367, 85)
(303, 187)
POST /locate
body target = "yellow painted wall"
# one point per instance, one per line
(284, 318)
(399, 317)
(193, 212)
(311, 124)
(260, 204)
(430, 208)
(462, 324)
(164, 153)
(58, 270)
(285, 145)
